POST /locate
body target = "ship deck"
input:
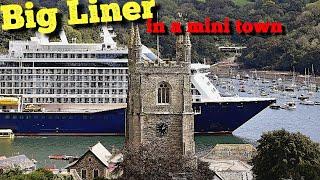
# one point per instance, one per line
(80, 108)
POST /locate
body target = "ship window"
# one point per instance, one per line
(164, 93)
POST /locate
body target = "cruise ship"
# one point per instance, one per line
(69, 88)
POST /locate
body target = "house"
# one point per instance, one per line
(21, 162)
(231, 170)
(242, 152)
(229, 161)
(96, 162)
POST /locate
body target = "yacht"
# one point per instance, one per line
(291, 105)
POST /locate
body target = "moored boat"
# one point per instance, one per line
(291, 105)
(275, 106)
(307, 103)
(6, 134)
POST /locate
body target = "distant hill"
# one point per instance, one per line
(297, 48)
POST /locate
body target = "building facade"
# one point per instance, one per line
(92, 164)
(159, 109)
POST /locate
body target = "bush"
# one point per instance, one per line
(139, 163)
(281, 154)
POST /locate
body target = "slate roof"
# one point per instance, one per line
(20, 161)
(99, 151)
(243, 152)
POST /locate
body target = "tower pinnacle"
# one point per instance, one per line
(137, 41)
(132, 36)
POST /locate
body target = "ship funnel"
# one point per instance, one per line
(63, 37)
(42, 38)
(108, 35)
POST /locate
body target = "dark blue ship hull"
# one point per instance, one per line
(212, 118)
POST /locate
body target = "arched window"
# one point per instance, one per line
(164, 93)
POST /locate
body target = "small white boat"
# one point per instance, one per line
(250, 91)
(6, 134)
(310, 93)
(289, 106)
(275, 107)
(242, 89)
(307, 103)
(292, 95)
(264, 81)
(303, 97)
(264, 93)
(215, 77)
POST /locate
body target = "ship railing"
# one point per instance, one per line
(9, 110)
(197, 110)
(4, 56)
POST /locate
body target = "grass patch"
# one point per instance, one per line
(241, 2)
(315, 4)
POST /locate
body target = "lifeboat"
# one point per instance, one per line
(9, 101)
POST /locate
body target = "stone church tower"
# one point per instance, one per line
(159, 101)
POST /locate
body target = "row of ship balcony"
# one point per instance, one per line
(76, 100)
(43, 92)
(63, 80)
(38, 86)
(39, 71)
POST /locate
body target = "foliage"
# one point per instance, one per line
(43, 174)
(298, 48)
(241, 2)
(283, 155)
(140, 163)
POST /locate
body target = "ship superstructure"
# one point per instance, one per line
(72, 88)
(44, 72)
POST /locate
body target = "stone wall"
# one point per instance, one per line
(89, 162)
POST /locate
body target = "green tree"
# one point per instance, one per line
(281, 154)
(139, 164)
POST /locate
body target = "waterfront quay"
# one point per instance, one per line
(232, 70)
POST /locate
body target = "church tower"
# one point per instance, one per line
(159, 100)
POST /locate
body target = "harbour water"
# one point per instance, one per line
(304, 119)
(39, 148)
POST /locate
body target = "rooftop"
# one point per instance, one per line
(20, 161)
(243, 152)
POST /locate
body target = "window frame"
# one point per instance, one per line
(93, 173)
(86, 174)
(166, 93)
